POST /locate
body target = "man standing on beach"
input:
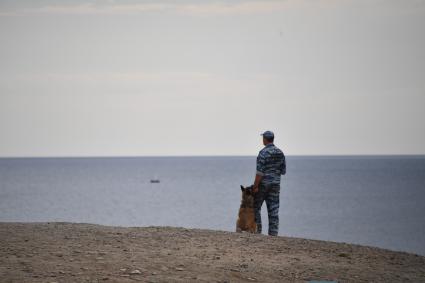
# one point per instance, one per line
(271, 165)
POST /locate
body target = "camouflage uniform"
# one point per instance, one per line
(271, 165)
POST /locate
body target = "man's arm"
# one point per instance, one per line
(283, 166)
(260, 172)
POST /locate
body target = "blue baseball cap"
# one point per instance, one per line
(268, 134)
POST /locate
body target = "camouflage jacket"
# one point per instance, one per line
(271, 164)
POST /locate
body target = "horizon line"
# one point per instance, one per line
(218, 156)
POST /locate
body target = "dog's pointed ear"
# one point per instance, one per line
(242, 188)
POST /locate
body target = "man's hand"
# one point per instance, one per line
(256, 183)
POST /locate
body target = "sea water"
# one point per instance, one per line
(376, 201)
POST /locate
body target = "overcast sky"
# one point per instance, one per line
(106, 78)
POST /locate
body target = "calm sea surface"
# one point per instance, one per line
(377, 201)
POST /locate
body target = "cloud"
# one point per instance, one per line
(245, 8)
(193, 9)
(124, 77)
(110, 9)
(202, 8)
(9, 14)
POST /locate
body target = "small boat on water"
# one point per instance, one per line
(154, 181)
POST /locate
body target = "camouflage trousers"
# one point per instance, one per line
(270, 194)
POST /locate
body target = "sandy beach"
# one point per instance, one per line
(67, 252)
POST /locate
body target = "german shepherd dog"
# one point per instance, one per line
(246, 219)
